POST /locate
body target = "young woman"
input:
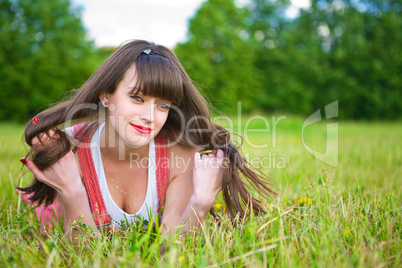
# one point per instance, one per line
(139, 125)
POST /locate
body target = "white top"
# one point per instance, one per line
(118, 217)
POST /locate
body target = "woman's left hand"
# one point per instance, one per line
(207, 176)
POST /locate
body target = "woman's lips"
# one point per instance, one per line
(141, 129)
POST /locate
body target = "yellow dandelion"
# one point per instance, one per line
(309, 201)
(181, 259)
(392, 194)
(374, 200)
(218, 206)
(302, 200)
(346, 232)
(295, 202)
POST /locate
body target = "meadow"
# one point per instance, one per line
(348, 215)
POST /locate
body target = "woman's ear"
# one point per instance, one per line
(104, 99)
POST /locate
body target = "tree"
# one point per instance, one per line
(44, 52)
(278, 59)
(218, 56)
(335, 50)
(360, 46)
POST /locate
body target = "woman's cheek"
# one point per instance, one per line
(162, 121)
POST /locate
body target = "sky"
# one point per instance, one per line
(111, 22)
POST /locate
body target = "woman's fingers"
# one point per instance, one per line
(217, 157)
(215, 160)
(33, 168)
(62, 176)
(220, 154)
(44, 139)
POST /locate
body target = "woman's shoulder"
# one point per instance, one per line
(181, 159)
(69, 131)
(182, 150)
(74, 133)
(75, 130)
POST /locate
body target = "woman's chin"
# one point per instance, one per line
(138, 141)
(134, 139)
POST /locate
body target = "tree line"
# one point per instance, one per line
(334, 50)
(343, 50)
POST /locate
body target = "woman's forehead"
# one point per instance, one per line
(156, 77)
(130, 75)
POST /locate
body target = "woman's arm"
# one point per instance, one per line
(191, 194)
(64, 177)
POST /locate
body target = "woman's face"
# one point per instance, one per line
(136, 118)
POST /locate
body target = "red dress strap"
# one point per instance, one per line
(101, 217)
(162, 168)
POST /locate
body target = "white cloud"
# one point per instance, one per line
(296, 5)
(111, 22)
(300, 3)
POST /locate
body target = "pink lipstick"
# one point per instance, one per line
(141, 129)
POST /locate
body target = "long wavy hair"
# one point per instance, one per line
(160, 74)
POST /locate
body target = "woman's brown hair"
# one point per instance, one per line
(159, 73)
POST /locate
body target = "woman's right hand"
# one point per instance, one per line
(63, 175)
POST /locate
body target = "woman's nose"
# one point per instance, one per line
(147, 113)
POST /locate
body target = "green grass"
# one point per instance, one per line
(347, 216)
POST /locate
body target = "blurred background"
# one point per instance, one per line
(275, 56)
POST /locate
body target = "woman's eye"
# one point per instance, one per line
(137, 98)
(163, 106)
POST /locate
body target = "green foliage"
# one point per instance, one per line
(354, 57)
(335, 50)
(218, 56)
(43, 53)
